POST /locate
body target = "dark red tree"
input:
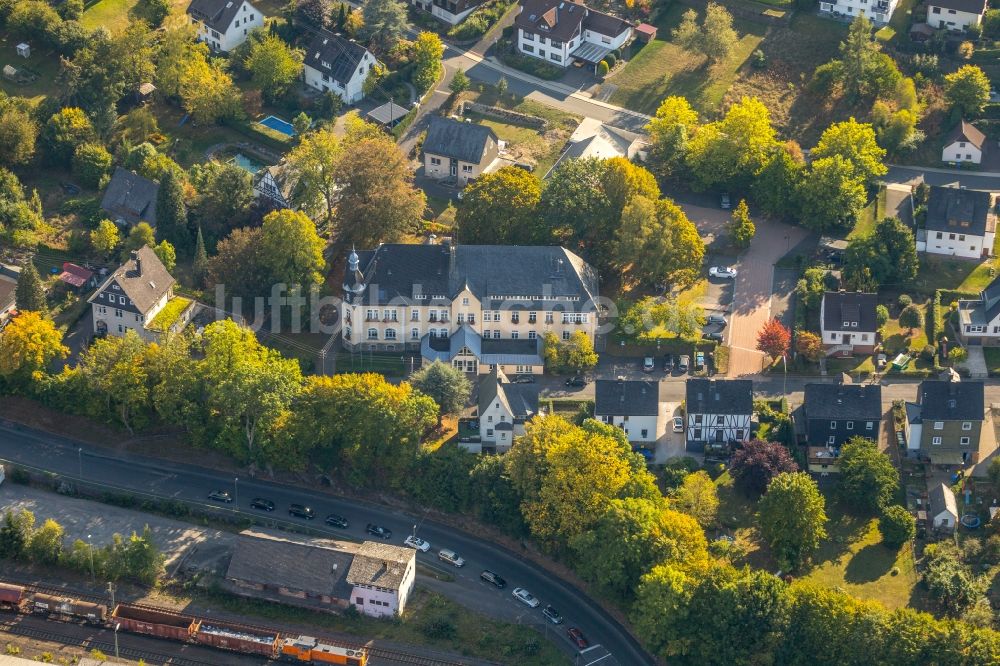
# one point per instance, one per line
(753, 466)
(774, 339)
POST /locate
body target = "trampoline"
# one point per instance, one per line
(970, 520)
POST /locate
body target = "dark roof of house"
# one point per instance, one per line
(466, 142)
(969, 6)
(143, 278)
(334, 55)
(839, 401)
(966, 131)
(719, 396)
(942, 499)
(380, 564)
(131, 197)
(217, 14)
(605, 24)
(314, 566)
(990, 298)
(388, 113)
(8, 285)
(850, 307)
(615, 397)
(956, 210)
(521, 400)
(523, 273)
(942, 400)
(557, 19)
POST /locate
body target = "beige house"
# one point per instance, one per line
(965, 143)
(472, 306)
(504, 408)
(463, 151)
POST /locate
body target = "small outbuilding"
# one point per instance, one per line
(645, 33)
(388, 115)
(943, 507)
(10, 72)
(76, 276)
(24, 50)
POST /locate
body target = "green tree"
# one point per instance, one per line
(139, 236)
(718, 39)
(698, 498)
(273, 66)
(157, 11)
(178, 50)
(291, 252)
(199, 267)
(897, 526)
(207, 91)
(166, 254)
(912, 317)
(651, 319)
(171, 211)
(776, 188)
(45, 545)
(741, 227)
(301, 123)
(888, 255)
(104, 239)
(855, 142)
(500, 208)
(868, 479)
(967, 90)
(447, 385)
(459, 82)
(731, 151)
(687, 33)
(384, 23)
(950, 583)
(831, 194)
(91, 163)
(792, 518)
(115, 369)
(859, 54)
(225, 195)
(63, 132)
(28, 345)
(669, 130)
(881, 316)
(15, 533)
(18, 132)
(313, 165)
(579, 354)
(30, 293)
(427, 53)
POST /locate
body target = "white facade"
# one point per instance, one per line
(350, 91)
(877, 11)
(246, 19)
(951, 19)
(378, 601)
(451, 13)
(118, 315)
(961, 151)
(645, 429)
(954, 244)
(557, 53)
(497, 427)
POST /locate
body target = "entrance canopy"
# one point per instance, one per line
(592, 53)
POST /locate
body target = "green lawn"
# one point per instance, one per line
(115, 14)
(382, 363)
(871, 214)
(663, 68)
(43, 63)
(992, 360)
(962, 275)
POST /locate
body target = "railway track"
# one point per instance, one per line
(380, 653)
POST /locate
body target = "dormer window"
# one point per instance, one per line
(847, 324)
(854, 324)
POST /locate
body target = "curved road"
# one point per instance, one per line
(187, 482)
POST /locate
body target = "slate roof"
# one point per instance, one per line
(563, 19)
(521, 400)
(605, 24)
(838, 401)
(613, 397)
(131, 197)
(144, 288)
(960, 211)
(504, 351)
(966, 131)
(970, 6)
(388, 114)
(951, 400)
(380, 564)
(8, 285)
(216, 14)
(850, 307)
(515, 273)
(942, 499)
(334, 55)
(313, 566)
(719, 396)
(465, 142)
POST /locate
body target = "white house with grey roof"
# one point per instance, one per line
(504, 408)
(451, 12)
(960, 223)
(965, 143)
(848, 322)
(877, 11)
(472, 306)
(382, 576)
(719, 412)
(338, 65)
(224, 24)
(561, 32)
(955, 15)
(463, 151)
(634, 406)
(979, 319)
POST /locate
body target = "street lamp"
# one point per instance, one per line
(236, 493)
(79, 457)
(117, 625)
(90, 547)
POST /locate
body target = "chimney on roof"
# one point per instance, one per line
(138, 262)
(452, 262)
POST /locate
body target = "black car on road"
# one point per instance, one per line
(336, 521)
(220, 496)
(262, 504)
(493, 579)
(577, 381)
(379, 531)
(301, 511)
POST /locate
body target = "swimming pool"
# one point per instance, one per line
(247, 163)
(278, 125)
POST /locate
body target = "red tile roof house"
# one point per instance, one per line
(559, 32)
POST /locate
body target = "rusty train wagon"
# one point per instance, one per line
(11, 596)
(306, 649)
(238, 638)
(160, 623)
(65, 607)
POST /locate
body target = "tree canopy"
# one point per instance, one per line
(868, 479)
(792, 518)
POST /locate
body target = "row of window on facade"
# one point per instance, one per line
(372, 314)
(391, 334)
(374, 602)
(466, 168)
(112, 298)
(964, 441)
(977, 328)
(118, 313)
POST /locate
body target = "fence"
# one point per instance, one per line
(503, 114)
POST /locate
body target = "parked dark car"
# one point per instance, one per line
(713, 335)
(523, 379)
(301, 511)
(577, 637)
(379, 531)
(262, 504)
(668, 363)
(493, 578)
(220, 496)
(337, 521)
(552, 615)
(578, 381)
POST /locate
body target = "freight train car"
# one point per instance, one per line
(161, 623)
(306, 649)
(11, 596)
(65, 607)
(238, 638)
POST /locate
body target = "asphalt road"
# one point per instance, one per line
(931, 176)
(188, 482)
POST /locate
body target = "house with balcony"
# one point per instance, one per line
(562, 32)
(718, 412)
(877, 11)
(459, 151)
(948, 425)
(224, 24)
(960, 223)
(979, 318)
(634, 406)
(503, 410)
(848, 323)
(451, 12)
(336, 64)
(835, 413)
(472, 306)
(955, 15)
(965, 143)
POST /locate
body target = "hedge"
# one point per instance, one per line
(935, 323)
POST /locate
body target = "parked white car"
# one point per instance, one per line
(417, 543)
(451, 557)
(678, 424)
(723, 272)
(525, 597)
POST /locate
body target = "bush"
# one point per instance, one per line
(897, 526)
(611, 60)
(758, 59)
(91, 162)
(927, 353)
(603, 68)
(533, 66)
(904, 300)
